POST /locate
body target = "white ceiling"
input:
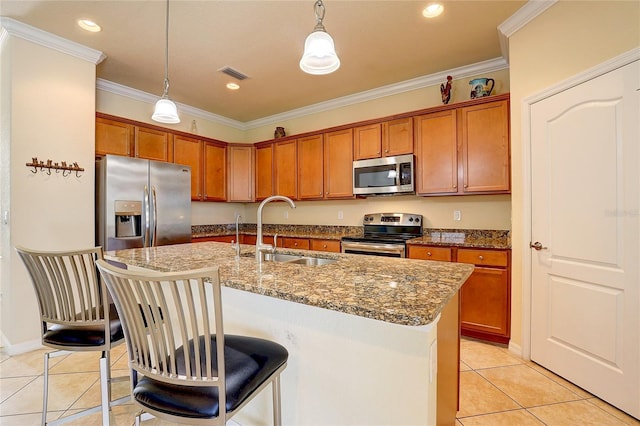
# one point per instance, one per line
(379, 43)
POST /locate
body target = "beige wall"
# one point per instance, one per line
(565, 40)
(484, 212)
(48, 105)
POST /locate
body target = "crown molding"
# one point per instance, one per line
(491, 65)
(52, 41)
(139, 95)
(522, 17)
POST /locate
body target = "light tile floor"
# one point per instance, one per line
(497, 388)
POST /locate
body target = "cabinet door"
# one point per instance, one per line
(310, 168)
(485, 305)
(436, 153)
(113, 137)
(367, 141)
(152, 144)
(325, 245)
(397, 137)
(338, 164)
(485, 147)
(240, 172)
(285, 161)
(264, 171)
(215, 187)
(442, 254)
(188, 151)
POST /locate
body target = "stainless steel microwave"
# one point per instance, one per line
(384, 176)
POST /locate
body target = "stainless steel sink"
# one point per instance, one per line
(299, 260)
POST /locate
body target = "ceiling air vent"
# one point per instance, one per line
(233, 73)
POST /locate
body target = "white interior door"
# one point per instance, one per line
(585, 216)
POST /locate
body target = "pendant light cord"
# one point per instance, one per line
(166, 56)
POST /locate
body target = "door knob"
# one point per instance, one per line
(537, 245)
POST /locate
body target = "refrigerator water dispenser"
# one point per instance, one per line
(128, 218)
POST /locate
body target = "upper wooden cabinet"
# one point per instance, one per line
(285, 174)
(264, 171)
(338, 164)
(485, 147)
(189, 152)
(436, 153)
(311, 167)
(464, 150)
(240, 166)
(152, 144)
(113, 137)
(394, 137)
(324, 166)
(215, 161)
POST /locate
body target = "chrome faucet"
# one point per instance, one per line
(236, 244)
(260, 246)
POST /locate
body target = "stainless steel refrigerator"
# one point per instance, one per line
(141, 203)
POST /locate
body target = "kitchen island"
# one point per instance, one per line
(361, 332)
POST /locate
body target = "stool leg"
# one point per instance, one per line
(45, 393)
(104, 389)
(277, 415)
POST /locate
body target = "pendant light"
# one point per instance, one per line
(319, 55)
(166, 111)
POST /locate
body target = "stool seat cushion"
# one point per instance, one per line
(249, 362)
(84, 336)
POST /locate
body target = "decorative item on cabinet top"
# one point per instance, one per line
(480, 87)
(279, 133)
(66, 169)
(445, 90)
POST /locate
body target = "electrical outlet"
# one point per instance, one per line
(340, 214)
(456, 215)
(286, 214)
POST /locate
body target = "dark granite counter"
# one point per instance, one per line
(401, 291)
(470, 238)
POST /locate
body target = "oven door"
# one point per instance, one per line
(373, 248)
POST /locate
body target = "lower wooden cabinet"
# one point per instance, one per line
(442, 254)
(325, 245)
(295, 243)
(485, 299)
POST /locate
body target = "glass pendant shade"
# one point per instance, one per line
(319, 55)
(165, 112)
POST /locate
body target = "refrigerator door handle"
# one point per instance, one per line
(146, 237)
(155, 218)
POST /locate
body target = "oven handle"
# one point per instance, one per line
(377, 248)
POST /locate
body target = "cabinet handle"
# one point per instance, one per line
(481, 257)
(386, 150)
(378, 152)
(324, 246)
(428, 253)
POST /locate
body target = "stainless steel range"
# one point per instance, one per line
(385, 234)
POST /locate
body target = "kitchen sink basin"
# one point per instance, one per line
(299, 260)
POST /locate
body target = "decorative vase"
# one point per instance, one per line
(279, 133)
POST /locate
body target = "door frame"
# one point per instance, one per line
(589, 74)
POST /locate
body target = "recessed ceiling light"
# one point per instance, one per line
(89, 25)
(233, 86)
(432, 10)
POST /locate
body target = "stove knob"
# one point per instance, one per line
(410, 219)
(417, 220)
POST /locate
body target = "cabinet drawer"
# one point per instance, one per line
(430, 253)
(295, 243)
(325, 245)
(483, 257)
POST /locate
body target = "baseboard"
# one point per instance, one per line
(516, 349)
(19, 348)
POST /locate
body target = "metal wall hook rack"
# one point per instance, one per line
(49, 165)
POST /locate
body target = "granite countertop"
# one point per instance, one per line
(470, 238)
(401, 291)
